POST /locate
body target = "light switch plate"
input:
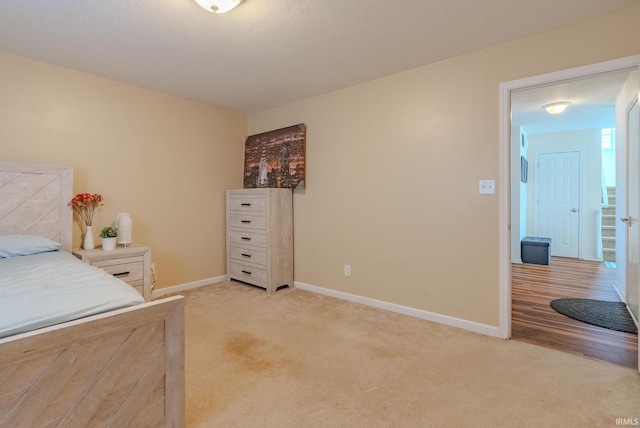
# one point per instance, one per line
(487, 187)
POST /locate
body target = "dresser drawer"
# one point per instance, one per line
(247, 237)
(247, 254)
(249, 203)
(128, 270)
(248, 273)
(248, 221)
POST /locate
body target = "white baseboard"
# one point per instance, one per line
(624, 299)
(621, 295)
(633, 317)
(404, 310)
(592, 259)
(187, 286)
(392, 307)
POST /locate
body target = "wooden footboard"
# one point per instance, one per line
(121, 368)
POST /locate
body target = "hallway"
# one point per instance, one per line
(533, 320)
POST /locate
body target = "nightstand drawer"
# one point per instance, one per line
(248, 254)
(248, 273)
(247, 203)
(248, 221)
(127, 270)
(130, 264)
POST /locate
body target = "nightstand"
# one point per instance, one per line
(130, 264)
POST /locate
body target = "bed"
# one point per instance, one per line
(104, 363)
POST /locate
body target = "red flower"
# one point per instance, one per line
(84, 204)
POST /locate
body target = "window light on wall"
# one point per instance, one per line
(608, 135)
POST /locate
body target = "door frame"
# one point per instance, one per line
(504, 162)
(628, 109)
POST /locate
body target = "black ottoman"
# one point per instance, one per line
(536, 250)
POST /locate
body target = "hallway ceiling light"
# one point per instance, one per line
(218, 6)
(556, 108)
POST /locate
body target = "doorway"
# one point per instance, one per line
(506, 163)
(557, 194)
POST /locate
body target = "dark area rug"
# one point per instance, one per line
(611, 315)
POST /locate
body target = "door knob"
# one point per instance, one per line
(629, 220)
(574, 210)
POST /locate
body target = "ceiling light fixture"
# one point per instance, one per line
(556, 108)
(218, 6)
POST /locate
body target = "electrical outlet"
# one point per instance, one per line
(487, 187)
(347, 270)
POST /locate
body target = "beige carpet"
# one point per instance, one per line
(298, 359)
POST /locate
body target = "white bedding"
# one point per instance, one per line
(50, 288)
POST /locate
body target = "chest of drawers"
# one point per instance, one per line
(260, 237)
(130, 264)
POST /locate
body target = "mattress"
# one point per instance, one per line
(50, 288)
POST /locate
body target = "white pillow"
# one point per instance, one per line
(24, 245)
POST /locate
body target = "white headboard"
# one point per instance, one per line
(33, 201)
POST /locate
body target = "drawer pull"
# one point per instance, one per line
(246, 272)
(121, 273)
(246, 255)
(244, 238)
(245, 221)
(245, 205)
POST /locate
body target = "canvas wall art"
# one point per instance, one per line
(276, 158)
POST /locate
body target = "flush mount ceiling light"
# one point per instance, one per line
(556, 108)
(218, 6)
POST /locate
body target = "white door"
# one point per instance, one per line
(633, 227)
(558, 201)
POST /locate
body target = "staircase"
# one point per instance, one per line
(609, 226)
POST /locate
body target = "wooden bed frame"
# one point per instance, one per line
(120, 368)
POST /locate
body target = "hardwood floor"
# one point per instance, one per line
(533, 320)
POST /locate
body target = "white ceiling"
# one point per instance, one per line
(592, 104)
(267, 53)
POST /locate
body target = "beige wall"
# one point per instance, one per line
(164, 160)
(393, 168)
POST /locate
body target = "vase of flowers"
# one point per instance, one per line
(84, 205)
(109, 236)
